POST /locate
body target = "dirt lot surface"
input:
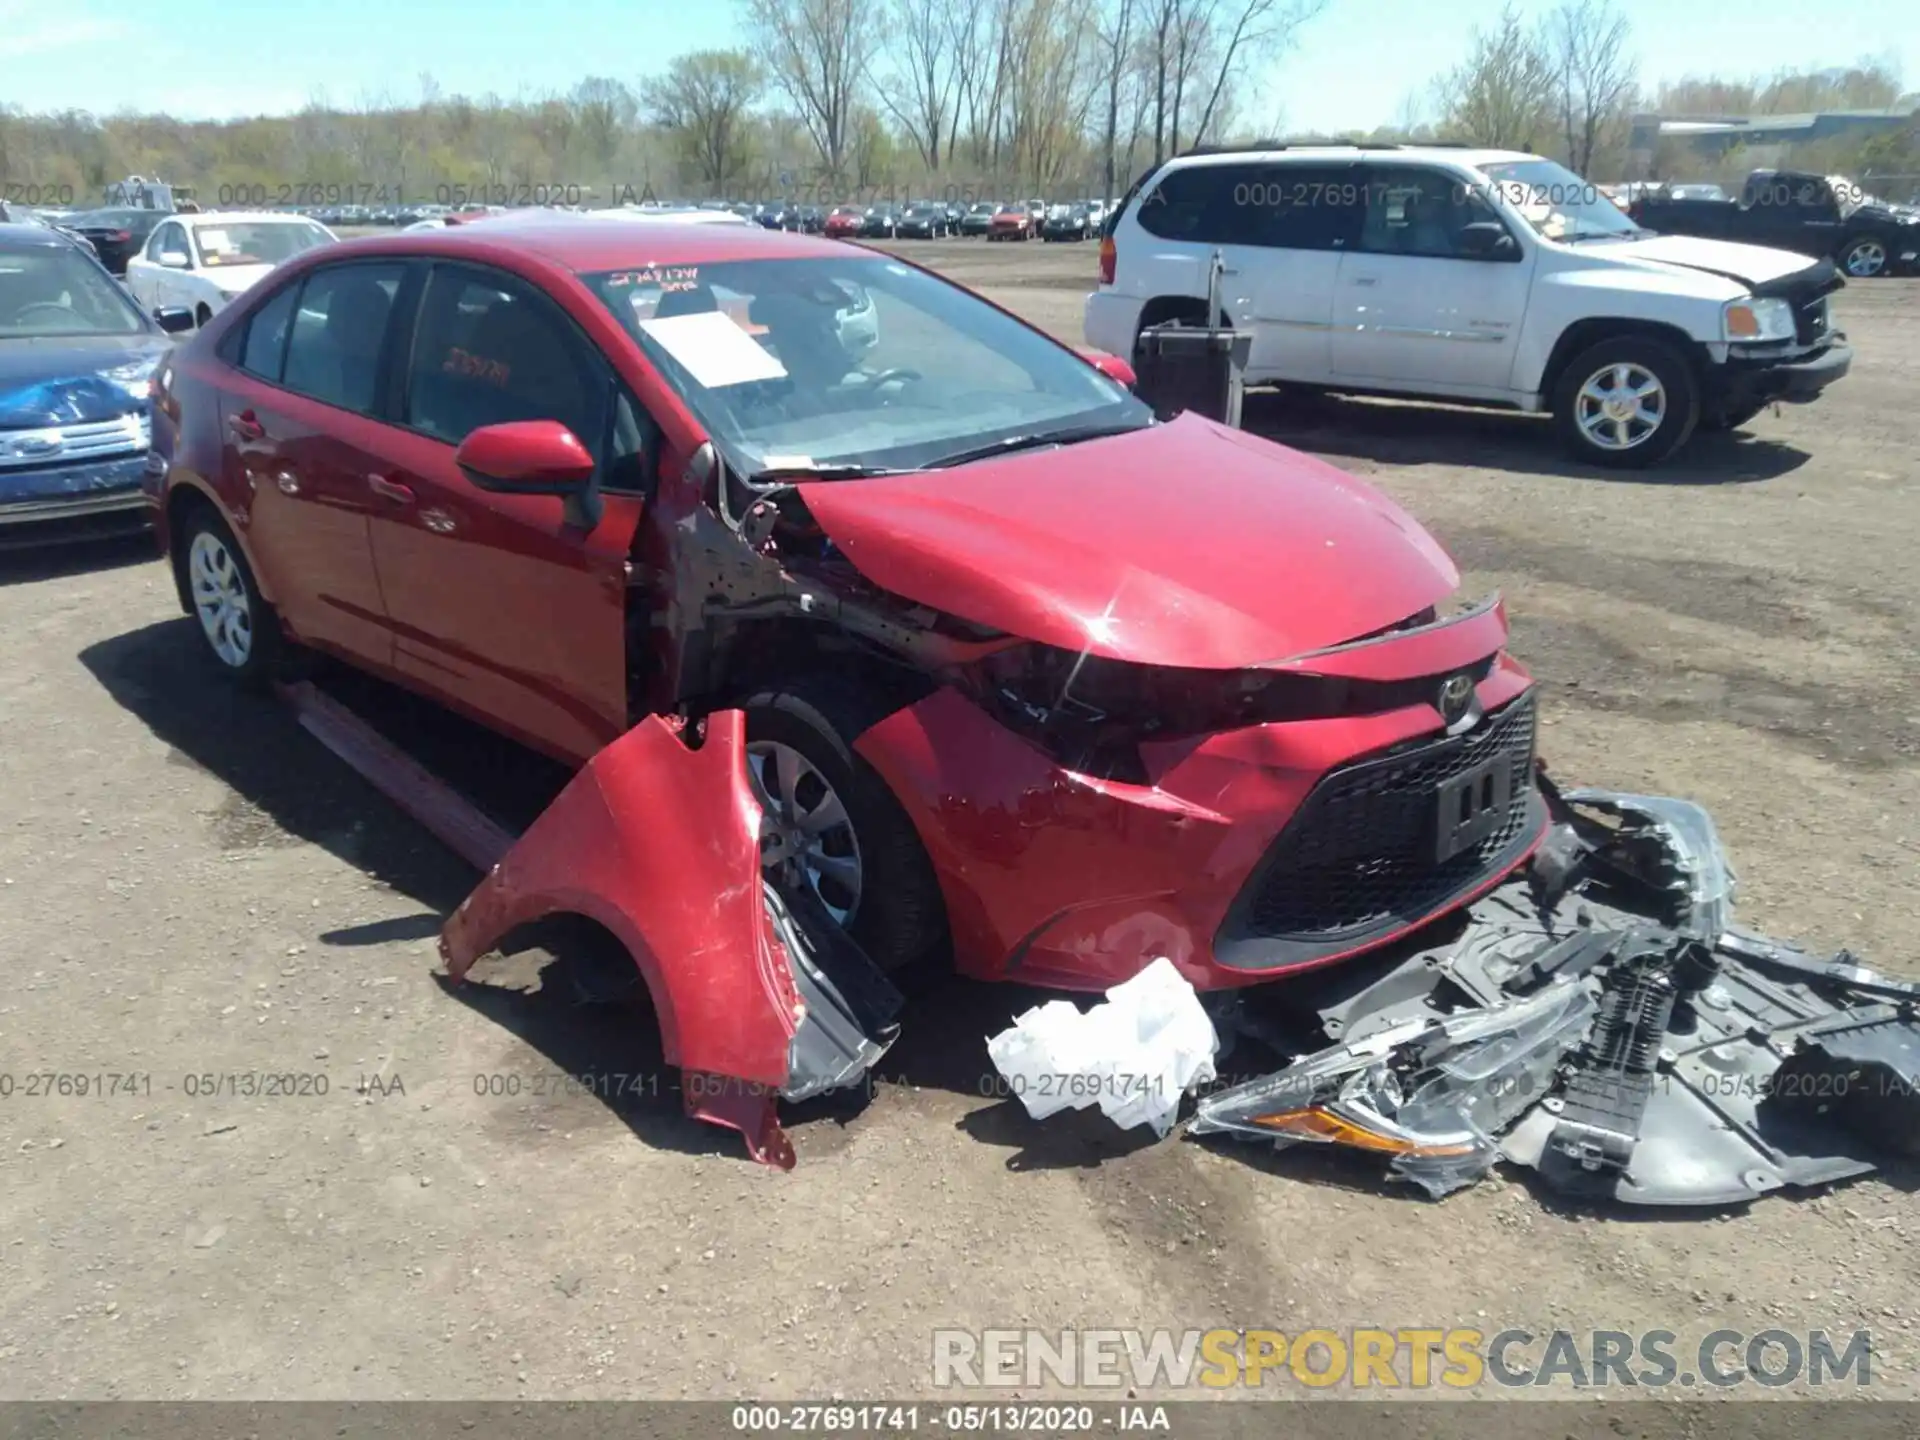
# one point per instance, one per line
(196, 894)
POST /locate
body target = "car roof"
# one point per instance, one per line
(195, 219)
(587, 243)
(18, 233)
(1425, 154)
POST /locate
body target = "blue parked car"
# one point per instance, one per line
(76, 354)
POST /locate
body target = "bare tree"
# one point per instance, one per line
(923, 46)
(1115, 35)
(1253, 29)
(820, 52)
(1593, 74)
(605, 110)
(704, 98)
(1502, 94)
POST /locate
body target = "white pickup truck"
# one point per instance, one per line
(1469, 276)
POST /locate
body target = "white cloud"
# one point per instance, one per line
(26, 31)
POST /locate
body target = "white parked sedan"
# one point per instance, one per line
(203, 262)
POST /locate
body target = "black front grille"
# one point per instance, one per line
(1360, 859)
(1810, 321)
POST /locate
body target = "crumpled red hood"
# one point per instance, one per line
(1186, 544)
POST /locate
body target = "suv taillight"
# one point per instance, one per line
(1108, 256)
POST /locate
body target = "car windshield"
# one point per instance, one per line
(255, 242)
(854, 362)
(55, 290)
(1556, 202)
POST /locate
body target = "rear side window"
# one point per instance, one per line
(489, 350)
(1295, 207)
(1205, 204)
(1309, 207)
(338, 334)
(265, 348)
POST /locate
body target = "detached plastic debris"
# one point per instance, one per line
(1432, 1094)
(1673, 846)
(1134, 1054)
(1605, 1026)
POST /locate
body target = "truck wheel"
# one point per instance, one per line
(1626, 403)
(1864, 257)
(832, 820)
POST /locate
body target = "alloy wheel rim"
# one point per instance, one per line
(1866, 259)
(1621, 406)
(220, 599)
(805, 827)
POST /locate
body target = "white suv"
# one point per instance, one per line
(1475, 276)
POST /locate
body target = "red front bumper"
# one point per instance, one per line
(1057, 879)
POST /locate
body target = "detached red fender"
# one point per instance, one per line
(659, 841)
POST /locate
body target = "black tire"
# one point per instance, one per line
(269, 656)
(1860, 249)
(901, 918)
(1679, 411)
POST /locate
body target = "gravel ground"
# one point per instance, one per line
(195, 893)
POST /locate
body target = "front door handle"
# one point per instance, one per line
(1366, 279)
(390, 489)
(246, 425)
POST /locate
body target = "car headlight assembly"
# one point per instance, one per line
(1759, 320)
(134, 377)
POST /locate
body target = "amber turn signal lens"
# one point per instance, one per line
(1325, 1126)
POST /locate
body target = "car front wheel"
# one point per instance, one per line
(1626, 403)
(829, 821)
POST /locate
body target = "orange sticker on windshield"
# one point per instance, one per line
(475, 367)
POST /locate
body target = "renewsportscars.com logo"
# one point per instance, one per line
(1407, 1358)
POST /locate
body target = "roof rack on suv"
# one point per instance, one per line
(1337, 142)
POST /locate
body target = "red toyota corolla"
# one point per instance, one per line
(1030, 681)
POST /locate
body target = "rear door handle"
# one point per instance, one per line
(390, 489)
(246, 425)
(1366, 279)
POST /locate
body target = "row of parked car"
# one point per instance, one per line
(921, 219)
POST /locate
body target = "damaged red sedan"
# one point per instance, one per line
(1032, 684)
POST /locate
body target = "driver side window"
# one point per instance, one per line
(1421, 212)
(165, 238)
(487, 350)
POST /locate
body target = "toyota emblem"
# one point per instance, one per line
(1456, 694)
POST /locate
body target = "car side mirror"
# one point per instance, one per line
(1114, 368)
(175, 260)
(533, 457)
(173, 318)
(525, 457)
(1488, 239)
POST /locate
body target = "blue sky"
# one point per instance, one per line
(1354, 65)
